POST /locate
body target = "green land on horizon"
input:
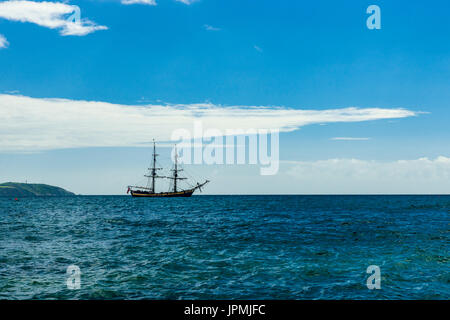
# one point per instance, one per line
(16, 189)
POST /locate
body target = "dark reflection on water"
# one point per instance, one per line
(225, 247)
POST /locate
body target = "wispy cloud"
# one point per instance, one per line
(420, 176)
(51, 15)
(32, 124)
(188, 2)
(147, 2)
(210, 28)
(350, 139)
(258, 48)
(3, 42)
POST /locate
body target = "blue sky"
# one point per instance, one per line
(315, 55)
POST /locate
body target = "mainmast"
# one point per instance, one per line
(175, 172)
(153, 169)
(154, 166)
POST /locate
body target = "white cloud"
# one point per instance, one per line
(53, 15)
(3, 42)
(349, 139)
(420, 176)
(258, 48)
(147, 2)
(188, 2)
(32, 124)
(211, 28)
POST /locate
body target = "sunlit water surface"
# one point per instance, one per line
(225, 247)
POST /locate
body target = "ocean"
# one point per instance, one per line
(225, 247)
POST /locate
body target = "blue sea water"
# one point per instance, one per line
(225, 247)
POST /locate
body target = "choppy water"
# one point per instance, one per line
(226, 247)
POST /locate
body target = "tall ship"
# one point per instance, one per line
(175, 178)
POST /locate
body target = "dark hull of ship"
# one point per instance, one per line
(141, 193)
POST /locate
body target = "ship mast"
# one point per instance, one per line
(153, 169)
(175, 172)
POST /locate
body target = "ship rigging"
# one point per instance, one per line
(152, 176)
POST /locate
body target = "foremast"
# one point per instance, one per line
(175, 171)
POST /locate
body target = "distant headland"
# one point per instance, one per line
(16, 189)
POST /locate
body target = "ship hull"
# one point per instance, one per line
(146, 194)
